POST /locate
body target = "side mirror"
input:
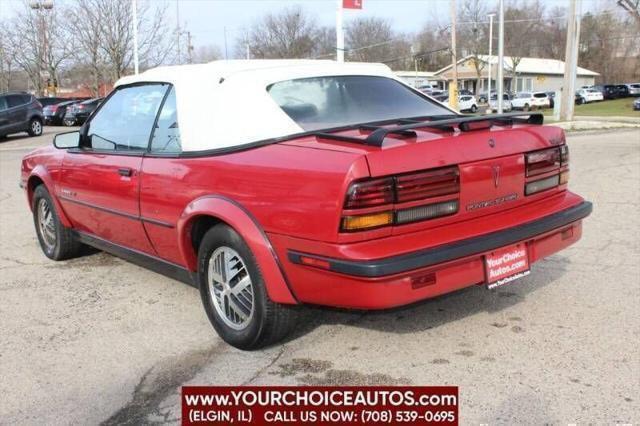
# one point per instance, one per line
(67, 140)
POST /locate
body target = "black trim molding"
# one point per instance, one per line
(117, 212)
(139, 258)
(452, 251)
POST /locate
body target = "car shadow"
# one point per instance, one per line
(432, 313)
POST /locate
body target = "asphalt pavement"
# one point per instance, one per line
(97, 339)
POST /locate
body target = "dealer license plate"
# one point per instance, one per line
(505, 265)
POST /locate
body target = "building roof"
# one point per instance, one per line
(415, 73)
(224, 104)
(527, 65)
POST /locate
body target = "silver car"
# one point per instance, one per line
(506, 103)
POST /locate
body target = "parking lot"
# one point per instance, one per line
(98, 339)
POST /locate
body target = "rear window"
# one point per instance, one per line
(539, 95)
(326, 102)
(636, 86)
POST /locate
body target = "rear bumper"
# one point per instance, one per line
(358, 277)
(449, 252)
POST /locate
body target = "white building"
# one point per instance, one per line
(420, 78)
(531, 74)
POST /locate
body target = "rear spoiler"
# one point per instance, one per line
(465, 124)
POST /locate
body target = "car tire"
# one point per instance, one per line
(68, 122)
(245, 318)
(35, 127)
(56, 240)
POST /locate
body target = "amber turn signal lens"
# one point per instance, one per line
(564, 177)
(366, 221)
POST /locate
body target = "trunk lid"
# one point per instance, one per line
(491, 163)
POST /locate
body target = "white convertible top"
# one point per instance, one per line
(225, 103)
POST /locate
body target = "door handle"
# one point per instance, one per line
(125, 171)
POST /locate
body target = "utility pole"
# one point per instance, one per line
(134, 8)
(500, 82)
(189, 47)
(226, 51)
(491, 15)
(178, 31)
(453, 87)
(570, 61)
(339, 33)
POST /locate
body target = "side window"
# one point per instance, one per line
(15, 100)
(3, 103)
(166, 135)
(124, 122)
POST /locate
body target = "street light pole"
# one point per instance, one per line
(134, 8)
(41, 7)
(500, 82)
(491, 15)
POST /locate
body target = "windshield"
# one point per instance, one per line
(524, 95)
(592, 91)
(326, 102)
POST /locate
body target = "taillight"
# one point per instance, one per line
(546, 169)
(427, 184)
(540, 162)
(386, 199)
(370, 193)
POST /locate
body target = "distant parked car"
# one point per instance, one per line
(426, 87)
(589, 95)
(54, 114)
(552, 98)
(467, 103)
(530, 100)
(46, 101)
(506, 103)
(634, 89)
(440, 95)
(20, 112)
(623, 90)
(79, 112)
(609, 91)
(636, 105)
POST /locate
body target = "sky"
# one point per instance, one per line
(207, 19)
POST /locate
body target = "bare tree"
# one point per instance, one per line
(289, 34)
(40, 44)
(85, 24)
(521, 29)
(155, 43)
(432, 47)
(6, 61)
(373, 40)
(473, 34)
(203, 54)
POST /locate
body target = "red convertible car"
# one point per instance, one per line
(270, 184)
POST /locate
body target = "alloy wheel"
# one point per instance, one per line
(46, 224)
(36, 127)
(230, 288)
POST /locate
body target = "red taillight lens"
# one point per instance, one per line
(437, 189)
(434, 183)
(543, 162)
(540, 162)
(369, 193)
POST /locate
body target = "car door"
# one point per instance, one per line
(4, 116)
(99, 186)
(17, 113)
